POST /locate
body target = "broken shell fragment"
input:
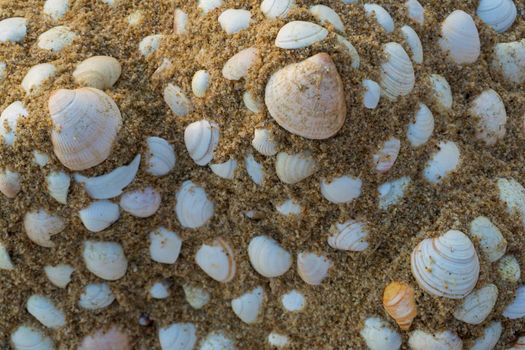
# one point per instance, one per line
(59, 275)
(178, 336)
(217, 260)
(293, 301)
(105, 259)
(164, 246)
(293, 168)
(9, 119)
(509, 61)
(193, 207)
(385, 158)
(5, 259)
(248, 306)
(350, 235)
(160, 290)
(399, 302)
(56, 39)
(254, 169)
(161, 157)
(420, 340)
(509, 269)
(225, 170)
(420, 131)
(9, 183)
(267, 257)
(233, 20)
(489, 111)
(397, 72)
(196, 297)
(112, 339)
(313, 268)
(28, 338)
(415, 11)
(56, 9)
(381, 15)
(273, 9)
(516, 309)
(238, 65)
(325, 14)
(141, 203)
(413, 41)
(342, 189)
(288, 207)
(99, 215)
(44, 310)
(372, 94)
(443, 162)
(490, 337)
(96, 296)
(13, 29)
(40, 226)
(175, 98)
(441, 92)
(200, 83)
(392, 192)
(264, 143)
(201, 139)
(379, 336)
(299, 34)
(499, 14)
(150, 44)
(492, 242)
(58, 186)
(36, 76)
(460, 38)
(180, 22)
(100, 72)
(477, 306)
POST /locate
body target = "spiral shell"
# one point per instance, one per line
(397, 72)
(180, 336)
(9, 118)
(13, 29)
(372, 94)
(10, 183)
(164, 246)
(492, 242)
(342, 189)
(56, 9)
(509, 269)
(99, 215)
(413, 41)
(415, 11)
(392, 192)
(313, 268)
(293, 168)
(490, 337)
(141, 203)
(325, 14)
(420, 340)
(96, 296)
(516, 309)
(225, 170)
(56, 39)
(420, 131)
(201, 139)
(100, 72)
(477, 306)
(161, 157)
(217, 260)
(350, 235)
(112, 339)
(200, 83)
(5, 259)
(489, 111)
(264, 143)
(460, 38)
(299, 34)
(268, 258)
(40, 226)
(499, 14)
(385, 158)
(59, 275)
(443, 162)
(44, 310)
(248, 306)
(379, 336)
(238, 65)
(509, 61)
(58, 186)
(400, 304)
(36, 76)
(193, 207)
(233, 20)
(28, 338)
(441, 92)
(105, 259)
(381, 15)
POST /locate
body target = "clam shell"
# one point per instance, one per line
(13, 29)
(28, 338)
(460, 38)
(489, 112)
(56, 39)
(196, 297)
(490, 337)
(238, 65)
(278, 340)
(255, 170)
(9, 183)
(141, 203)
(99, 215)
(201, 139)
(193, 207)
(96, 296)
(180, 336)
(378, 335)
(288, 207)
(225, 170)
(253, 104)
(516, 309)
(509, 60)
(477, 306)
(180, 22)
(112, 339)
(59, 275)
(105, 259)
(58, 186)
(160, 158)
(160, 290)
(509, 269)
(350, 49)
(512, 193)
(293, 168)
(325, 14)
(44, 310)
(443, 162)
(267, 257)
(499, 14)
(307, 98)
(37, 75)
(446, 266)
(441, 92)
(200, 83)
(179, 104)
(41, 159)
(385, 158)
(350, 235)
(420, 340)
(372, 94)
(40, 226)
(420, 131)
(415, 11)
(392, 192)
(164, 246)
(208, 5)
(299, 34)
(233, 20)
(150, 44)
(413, 41)
(381, 15)
(293, 301)
(9, 118)
(342, 189)
(100, 72)
(5, 259)
(217, 260)
(397, 72)
(248, 306)
(273, 9)
(492, 242)
(313, 268)
(264, 143)
(399, 302)
(215, 341)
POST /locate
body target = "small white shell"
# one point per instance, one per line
(477, 305)
(161, 157)
(381, 15)
(509, 269)
(3, 68)
(443, 162)
(99, 215)
(226, 170)
(201, 139)
(161, 70)
(59, 275)
(350, 235)
(105, 259)
(293, 168)
(9, 118)
(413, 41)
(350, 49)
(293, 301)
(180, 22)
(179, 104)
(397, 72)
(299, 34)
(209, 5)
(44, 310)
(313, 268)
(40, 226)
(5, 259)
(386, 157)
(415, 11)
(178, 336)
(217, 260)
(441, 91)
(509, 60)
(96, 296)
(248, 306)
(255, 170)
(325, 14)
(217, 341)
(490, 337)
(196, 297)
(100, 72)
(489, 113)
(276, 8)
(56, 39)
(267, 257)
(27, 338)
(233, 21)
(372, 94)
(58, 186)
(288, 207)
(141, 203)
(491, 241)
(150, 44)
(251, 103)
(200, 83)
(36, 76)
(499, 14)
(516, 309)
(378, 335)
(392, 192)
(193, 207)
(264, 143)
(342, 189)
(13, 29)
(420, 340)
(278, 340)
(460, 38)
(512, 193)
(41, 159)
(420, 131)
(159, 290)
(9, 183)
(135, 18)
(238, 65)
(164, 246)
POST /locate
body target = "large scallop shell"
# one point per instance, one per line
(492, 242)
(141, 203)
(238, 65)
(392, 192)
(177, 101)
(350, 235)
(100, 72)
(307, 98)
(201, 139)
(9, 120)
(193, 207)
(160, 157)
(248, 306)
(267, 257)
(397, 72)
(382, 16)
(477, 306)
(293, 168)
(443, 162)
(264, 143)
(28, 338)
(5, 259)
(460, 38)
(420, 340)
(509, 60)
(58, 186)
(36, 76)
(516, 309)
(9, 183)
(56, 9)
(99, 215)
(420, 131)
(96, 296)
(441, 92)
(512, 193)
(399, 302)
(509, 269)
(59, 275)
(446, 266)
(112, 339)
(385, 158)
(45, 311)
(13, 29)
(178, 336)
(490, 337)
(343, 189)
(499, 14)
(217, 260)
(299, 34)
(105, 259)
(234, 20)
(313, 268)
(56, 39)
(491, 117)
(413, 41)
(276, 8)
(164, 246)
(378, 335)
(226, 170)
(40, 226)
(325, 14)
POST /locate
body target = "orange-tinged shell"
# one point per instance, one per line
(400, 304)
(307, 98)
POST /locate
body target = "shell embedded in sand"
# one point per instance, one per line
(381, 15)
(59, 275)
(180, 336)
(489, 111)
(58, 186)
(508, 59)
(248, 306)
(491, 241)
(267, 257)
(385, 158)
(276, 8)
(9, 183)
(234, 20)
(96, 296)
(441, 92)
(415, 11)
(443, 162)
(342, 189)
(164, 246)
(27, 338)
(36, 76)
(254, 169)
(177, 101)
(397, 72)
(195, 296)
(161, 156)
(299, 34)
(226, 170)
(200, 83)
(460, 38)
(350, 235)
(217, 260)
(293, 168)
(9, 120)
(420, 131)
(56, 39)
(100, 72)
(45, 311)
(141, 203)
(420, 340)
(41, 225)
(99, 215)
(238, 65)
(312, 268)
(264, 143)
(325, 14)
(5, 260)
(13, 29)
(413, 41)
(477, 306)
(111, 339)
(193, 207)
(499, 14)
(201, 139)
(56, 9)
(105, 259)
(400, 304)
(378, 335)
(516, 309)
(490, 337)
(509, 269)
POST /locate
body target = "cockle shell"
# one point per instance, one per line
(200, 83)
(141, 203)
(378, 335)
(443, 162)
(180, 21)
(13, 29)
(216, 341)
(96, 296)
(248, 306)
(491, 241)
(490, 337)
(178, 336)
(264, 143)
(267, 257)
(499, 14)
(343, 189)
(415, 11)
(9, 118)
(164, 246)
(195, 296)
(193, 207)
(105, 259)
(238, 65)
(150, 44)
(446, 266)
(420, 131)
(299, 34)
(372, 94)
(307, 98)
(161, 157)
(516, 309)
(385, 158)
(313, 268)
(56, 39)
(9, 183)
(5, 259)
(99, 215)
(254, 169)
(36, 75)
(208, 5)
(253, 104)
(40, 226)
(79, 118)
(509, 269)
(350, 235)
(293, 168)
(233, 20)
(160, 290)
(28, 338)
(293, 301)
(225, 170)
(420, 340)
(392, 192)
(288, 207)
(489, 112)
(441, 92)
(381, 15)
(175, 98)
(112, 339)
(276, 8)
(100, 72)
(477, 306)
(399, 302)
(350, 50)
(217, 260)
(509, 60)
(56, 9)
(58, 186)
(59, 275)
(325, 14)
(44, 310)
(413, 41)
(278, 340)
(460, 38)
(512, 193)
(397, 72)
(201, 139)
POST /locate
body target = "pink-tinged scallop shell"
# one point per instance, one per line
(387, 155)
(112, 339)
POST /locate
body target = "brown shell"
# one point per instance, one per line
(400, 304)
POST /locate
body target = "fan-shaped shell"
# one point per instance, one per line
(45, 311)
(492, 242)
(397, 72)
(379, 336)
(443, 162)
(415, 11)
(253, 104)
(372, 94)
(276, 8)
(233, 20)
(516, 309)
(58, 186)
(100, 72)
(28, 338)
(193, 207)
(293, 168)
(36, 75)
(160, 290)
(5, 259)
(267, 257)
(499, 14)
(441, 92)
(420, 131)
(200, 83)
(307, 98)
(9, 183)
(56, 39)
(56, 9)
(350, 235)
(489, 112)
(512, 193)
(175, 98)
(9, 118)
(141, 203)
(99, 215)
(420, 340)
(164, 246)
(446, 266)
(238, 65)
(288, 207)
(150, 44)
(413, 41)
(180, 21)
(226, 170)
(381, 15)
(255, 169)
(40, 226)
(392, 192)
(490, 337)
(13, 29)
(96, 296)
(460, 38)
(400, 304)
(112, 339)
(195, 296)
(342, 189)
(477, 306)
(178, 336)
(201, 139)
(325, 14)
(313, 268)
(509, 269)
(350, 50)
(385, 158)
(161, 157)
(217, 260)
(248, 306)
(299, 34)
(59, 275)
(509, 61)
(264, 143)
(293, 301)
(217, 340)
(105, 259)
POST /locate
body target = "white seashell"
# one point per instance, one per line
(499, 14)
(397, 72)
(248, 306)
(9, 119)
(27, 338)
(278, 340)
(58, 186)
(378, 335)
(490, 337)
(441, 91)
(5, 259)
(420, 340)
(509, 60)
(233, 21)
(238, 65)
(99, 215)
(356, 60)
(519, 344)
(112, 184)
(350, 235)
(180, 21)
(135, 18)
(299, 34)
(492, 242)
(385, 158)
(40, 226)
(159, 290)
(164, 246)
(343, 189)
(105, 259)
(446, 266)
(141, 203)
(512, 193)
(150, 44)
(289, 207)
(200, 83)
(179, 104)
(516, 309)
(509, 269)
(477, 306)
(178, 336)
(193, 207)
(264, 143)
(392, 192)
(40, 158)
(44, 310)
(255, 170)
(267, 257)
(325, 14)
(413, 41)
(103, 339)
(9, 183)
(196, 297)
(273, 9)
(217, 260)
(313, 268)
(3, 68)
(415, 11)
(100, 72)
(96, 296)
(56, 39)
(460, 38)
(201, 139)
(217, 341)
(251, 103)
(420, 131)
(372, 94)
(59, 275)
(489, 113)
(161, 157)
(225, 170)
(209, 5)
(162, 69)
(36, 76)
(443, 162)
(381, 15)
(293, 168)
(293, 301)
(13, 29)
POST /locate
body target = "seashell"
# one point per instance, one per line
(179, 104)
(307, 98)
(9, 183)
(273, 9)
(372, 94)
(499, 14)
(446, 266)
(254, 105)
(400, 304)
(9, 120)
(420, 131)
(141, 203)
(233, 20)
(490, 337)
(477, 306)
(347, 45)
(196, 297)
(105, 259)
(255, 170)
(509, 61)
(460, 38)
(100, 72)
(293, 301)
(112, 339)
(99, 215)
(385, 158)
(58, 186)
(96, 296)
(225, 170)
(519, 345)
(415, 11)
(313, 268)
(161, 71)
(28, 338)
(509, 269)
(3, 68)
(56, 39)
(381, 15)
(59, 275)
(193, 207)
(489, 112)
(150, 44)
(159, 290)
(238, 65)
(264, 143)
(161, 157)
(516, 309)
(44, 310)
(343, 189)
(164, 246)
(13, 29)
(289, 207)
(200, 83)
(209, 5)
(299, 34)
(217, 260)
(350, 235)
(36, 76)
(40, 226)
(443, 162)
(248, 306)
(179, 336)
(5, 259)
(413, 41)
(392, 192)
(267, 257)
(201, 139)
(135, 18)
(215, 341)
(397, 72)
(40, 158)
(420, 340)
(293, 168)
(278, 340)
(512, 193)
(441, 92)
(180, 22)
(379, 336)
(325, 14)
(492, 242)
